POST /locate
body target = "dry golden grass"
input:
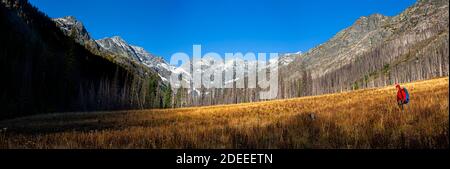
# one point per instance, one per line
(360, 119)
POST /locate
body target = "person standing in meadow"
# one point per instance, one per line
(402, 96)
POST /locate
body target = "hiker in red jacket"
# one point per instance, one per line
(402, 96)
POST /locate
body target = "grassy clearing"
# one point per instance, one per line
(360, 119)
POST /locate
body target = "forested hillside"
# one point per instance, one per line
(377, 51)
(45, 71)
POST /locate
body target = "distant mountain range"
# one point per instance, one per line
(375, 51)
(115, 46)
(119, 47)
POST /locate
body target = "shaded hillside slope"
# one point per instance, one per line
(45, 71)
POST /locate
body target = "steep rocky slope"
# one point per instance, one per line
(379, 50)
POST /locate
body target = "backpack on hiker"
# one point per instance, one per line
(407, 96)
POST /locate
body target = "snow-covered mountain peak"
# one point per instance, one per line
(74, 28)
(69, 20)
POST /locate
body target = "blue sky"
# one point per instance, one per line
(164, 27)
